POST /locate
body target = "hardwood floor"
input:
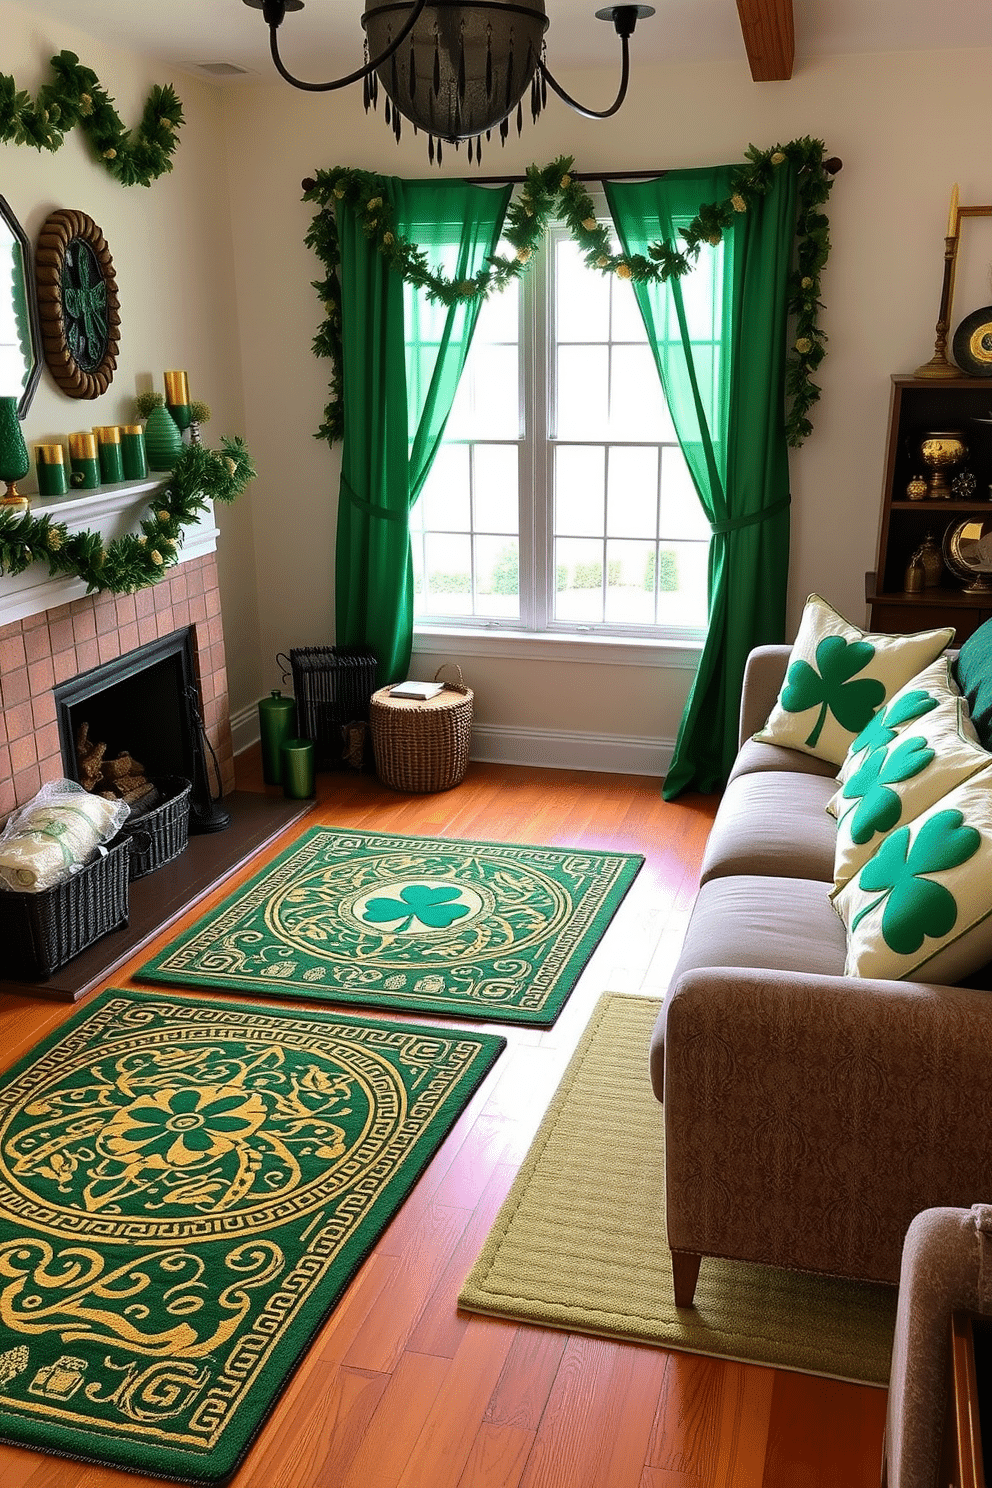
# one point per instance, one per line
(400, 1390)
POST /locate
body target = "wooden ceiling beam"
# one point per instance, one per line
(769, 37)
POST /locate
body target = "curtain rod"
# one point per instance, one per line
(831, 166)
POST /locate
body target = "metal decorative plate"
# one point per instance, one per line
(968, 553)
(972, 344)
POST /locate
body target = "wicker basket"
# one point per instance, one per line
(162, 833)
(422, 746)
(41, 932)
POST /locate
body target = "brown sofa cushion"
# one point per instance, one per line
(754, 755)
(785, 924)
(773, 822)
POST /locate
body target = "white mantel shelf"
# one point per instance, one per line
(110, 510)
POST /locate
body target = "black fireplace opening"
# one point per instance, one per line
(145, 705)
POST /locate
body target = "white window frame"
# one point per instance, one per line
(537, 635)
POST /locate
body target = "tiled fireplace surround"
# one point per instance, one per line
(43, 650)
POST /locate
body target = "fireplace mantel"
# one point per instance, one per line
(110, 510)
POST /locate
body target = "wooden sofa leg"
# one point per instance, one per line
(685, 1273)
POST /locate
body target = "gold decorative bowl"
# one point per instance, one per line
(942, 452)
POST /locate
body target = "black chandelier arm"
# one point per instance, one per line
(359, 73)
(594, 113)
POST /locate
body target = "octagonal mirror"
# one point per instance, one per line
(20, 341)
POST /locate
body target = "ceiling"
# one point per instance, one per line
(325, 39)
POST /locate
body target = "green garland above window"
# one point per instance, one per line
(552, 191)
(137, 559)
(76, 97)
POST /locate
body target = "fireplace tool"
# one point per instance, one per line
(206, 814)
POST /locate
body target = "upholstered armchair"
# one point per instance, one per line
(946, 1268)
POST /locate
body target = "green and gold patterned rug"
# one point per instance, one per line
(186, 1188)
(427, 924)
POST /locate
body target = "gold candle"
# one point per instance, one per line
(82, 446)
(952, 220)
(176, 389)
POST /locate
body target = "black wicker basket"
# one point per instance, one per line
(41, 932)
(333, 686)
(161, 834)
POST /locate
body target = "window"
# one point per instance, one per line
(559, 500)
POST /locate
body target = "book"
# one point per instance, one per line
(419, 690)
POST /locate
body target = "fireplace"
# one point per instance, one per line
(48, 650)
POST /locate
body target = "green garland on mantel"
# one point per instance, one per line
(76, 98)
(553, 191)
(138, 558)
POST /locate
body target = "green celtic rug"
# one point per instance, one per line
(186, 1187)
(471, 929)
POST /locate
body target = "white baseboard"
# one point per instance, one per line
(245, 729)
(614, 754)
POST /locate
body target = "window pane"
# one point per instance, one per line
(637, 404)
(682, 584)
(497, 577)
(583, 391)
(632, 492)
(627, 324)
(499, 318)
(682, 512)
(444, 503)
(487, 404)
(582, 297)
(578, 580)
(496, 497)
(579, 492)
(630, 583)
(448, 588)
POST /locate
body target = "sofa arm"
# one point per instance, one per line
(809, 1118)
(764, 673)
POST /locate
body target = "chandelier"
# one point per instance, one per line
(457, 69)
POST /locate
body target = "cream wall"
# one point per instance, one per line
(906, 127)
(171, 246)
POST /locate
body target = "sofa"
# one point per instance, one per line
(809, 1114)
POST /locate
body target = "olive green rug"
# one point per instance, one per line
(186, 1188)
(580, 1241)
(428, 924)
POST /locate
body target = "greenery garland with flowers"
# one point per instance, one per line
(138, 558)
(77, 98)
(552, 191)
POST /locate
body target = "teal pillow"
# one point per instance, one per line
(973, 674)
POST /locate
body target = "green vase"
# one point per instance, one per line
(163, 441)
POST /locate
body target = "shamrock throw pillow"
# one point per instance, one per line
(838, 678)
(932, 688)
(922, 905)
(902, 776)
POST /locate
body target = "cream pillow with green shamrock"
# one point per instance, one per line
(922, 905)
(932, 688)
(902, 777)
(838, 678)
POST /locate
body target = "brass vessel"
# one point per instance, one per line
(942, 452)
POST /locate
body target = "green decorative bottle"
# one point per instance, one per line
(163, 441)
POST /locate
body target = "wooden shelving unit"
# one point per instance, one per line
(919, 406)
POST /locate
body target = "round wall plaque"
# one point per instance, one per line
(78, 303)
(972, 344)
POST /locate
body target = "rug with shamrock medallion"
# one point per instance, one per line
(186, 1188)
(489, 930)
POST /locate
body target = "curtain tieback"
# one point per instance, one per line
(736, 523)
(383, 512)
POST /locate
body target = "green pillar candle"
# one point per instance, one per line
(53, 478)
(276, 723)
(108, 438)
(133, 452)
(84, 461)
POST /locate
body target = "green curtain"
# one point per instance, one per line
(720, 343)
(399, 392)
